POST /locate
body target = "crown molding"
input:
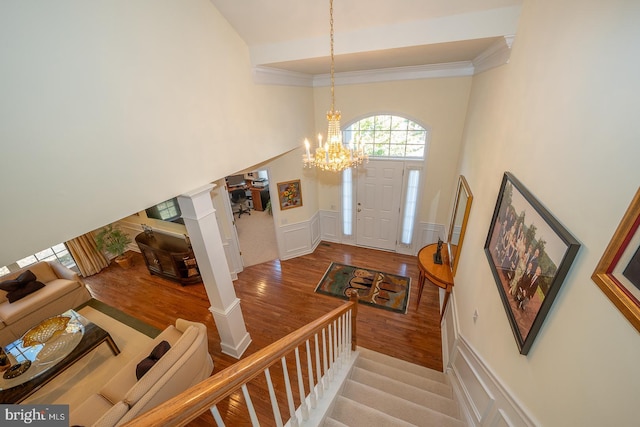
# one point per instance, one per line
(272, 76)
(432, 71)
(275, 76)
(497, 54)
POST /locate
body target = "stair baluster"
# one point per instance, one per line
(303, 400)
(312, 391)
(274, 402)
(287, 386)
(319, 369)
(250, 408)
(325, 361)
(216, 416)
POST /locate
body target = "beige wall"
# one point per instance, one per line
(289, 167)
(561, 116)
(438, 104)
(110, 107)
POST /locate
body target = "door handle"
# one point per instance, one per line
(359, 209)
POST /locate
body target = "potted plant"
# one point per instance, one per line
(114, 241)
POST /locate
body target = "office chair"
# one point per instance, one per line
(239, 202)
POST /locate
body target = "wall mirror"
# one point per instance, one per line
(458, 224)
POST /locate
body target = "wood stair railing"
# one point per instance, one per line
(337, 334)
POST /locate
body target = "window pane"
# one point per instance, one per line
(66, 259)
(383, 122)
(399, 137)
(366, 137)
(415, 126)
(4, 271)
(31, 259)
(416, 137)
(399, 123)
(347, 203)
(410, 206)
(47, 253)
(382, 137)
(397, 150)
(60, 247)
(381, 150)
(415, 151)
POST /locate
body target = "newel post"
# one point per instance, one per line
(353, 297)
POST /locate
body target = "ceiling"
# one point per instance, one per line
(293, 35)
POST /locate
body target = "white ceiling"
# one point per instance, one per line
(293, 35)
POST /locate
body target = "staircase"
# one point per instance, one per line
(384, 391)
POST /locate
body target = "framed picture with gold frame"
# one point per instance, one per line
(618, 272)
(289, 194)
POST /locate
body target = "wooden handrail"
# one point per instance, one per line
(191, 403)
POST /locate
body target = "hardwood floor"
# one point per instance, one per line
(277, 298)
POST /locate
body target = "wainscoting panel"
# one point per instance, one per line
(476, 393)
(330, 226)
(483, 398)
(230, 246)
(429, 233)
(300, 238)
(315, 230)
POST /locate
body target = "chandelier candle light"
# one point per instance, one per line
(333, 156)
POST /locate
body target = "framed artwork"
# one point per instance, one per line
(618, 272)
(529, 253)
(290, 194)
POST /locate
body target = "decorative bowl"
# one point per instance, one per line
(45, 331)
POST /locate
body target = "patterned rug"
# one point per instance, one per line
(382, 290)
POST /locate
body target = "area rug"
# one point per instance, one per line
(378, 289)
(90, 373)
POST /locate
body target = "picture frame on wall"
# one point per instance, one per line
(530, 254)
(618, 272)
(289, 194)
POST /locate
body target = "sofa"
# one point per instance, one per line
(63, 290)
(185, 363)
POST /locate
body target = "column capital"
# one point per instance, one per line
(200, 202)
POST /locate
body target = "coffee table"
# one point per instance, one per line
(50, 359)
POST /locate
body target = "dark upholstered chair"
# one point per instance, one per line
(239, 203)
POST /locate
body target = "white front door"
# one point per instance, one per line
(379, 193)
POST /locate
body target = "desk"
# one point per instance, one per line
(260, 197)
(438, 274)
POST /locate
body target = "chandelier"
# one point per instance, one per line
(333, 156)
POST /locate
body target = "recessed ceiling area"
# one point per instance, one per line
(440, 53)
(293, 35)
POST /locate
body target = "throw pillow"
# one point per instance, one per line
(25, 290)
(148, 362)
(24, 278)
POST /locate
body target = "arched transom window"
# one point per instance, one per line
(388, 136)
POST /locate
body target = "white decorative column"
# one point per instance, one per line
(200, 219)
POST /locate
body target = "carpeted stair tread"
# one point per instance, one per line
(426, 398)
(404, 365)
(330, 422)
(397, 407)
(355, 414)
(405, 377)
